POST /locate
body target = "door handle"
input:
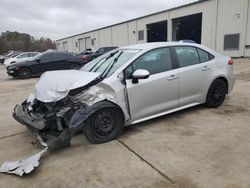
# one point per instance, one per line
(172, 77)
(205, 68)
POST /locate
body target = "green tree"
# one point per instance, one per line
(24, 42)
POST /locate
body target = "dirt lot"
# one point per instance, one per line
(197, 147)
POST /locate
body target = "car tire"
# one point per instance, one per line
(24, 73)
(104, 125)
(216, 94)
(75, 66)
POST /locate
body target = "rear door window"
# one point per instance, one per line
(48, 57)
(187, 56)
(64, 56)
(204, 56)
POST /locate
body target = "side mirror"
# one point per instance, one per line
(140, 74)
(38, 60)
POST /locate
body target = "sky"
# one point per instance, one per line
(61, 18)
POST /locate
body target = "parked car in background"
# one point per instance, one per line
(14, 54)
(123, 87)
(47, 61)
(21, 57)
(86, 52)
(85, 55)
(3, 56)
(7, 55)
(100, 51)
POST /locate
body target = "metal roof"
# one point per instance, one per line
(163, 11)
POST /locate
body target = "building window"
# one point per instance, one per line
(141, 35)
(232, 42)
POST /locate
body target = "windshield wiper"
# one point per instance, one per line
(110, 66)
(110, 55)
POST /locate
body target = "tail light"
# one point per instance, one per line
(230, 62)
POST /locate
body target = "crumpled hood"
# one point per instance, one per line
(55, 85)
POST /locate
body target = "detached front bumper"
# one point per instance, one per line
(57, 126)
(38, 126)
(27, 119)
(51, 128)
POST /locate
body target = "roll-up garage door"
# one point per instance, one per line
(81, 46)
(88, 43)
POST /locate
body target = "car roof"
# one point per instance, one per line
(56, 51)
(27, 52)
(148, 46)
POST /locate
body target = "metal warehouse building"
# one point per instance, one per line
(222, 25)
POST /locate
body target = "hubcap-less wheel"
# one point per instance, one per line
(24, 73)
(216, 94)
(103, 124)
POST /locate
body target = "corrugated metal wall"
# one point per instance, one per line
(219, 17)
(247, 44)
(232, 16)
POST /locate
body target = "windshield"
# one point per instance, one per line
(37, 56)
(108, 63)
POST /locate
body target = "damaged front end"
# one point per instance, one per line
(52, 112)
(55, 123)
(63, 101)
(50, 121)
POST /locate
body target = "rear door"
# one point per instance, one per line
(159, 92)
(194, 73)
(63, 61)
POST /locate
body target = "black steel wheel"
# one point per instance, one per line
(216, 93)
(104, 125)
(24, 73)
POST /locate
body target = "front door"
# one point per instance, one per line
(45, 63)
(159, 92)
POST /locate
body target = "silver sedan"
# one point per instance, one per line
(125, 86)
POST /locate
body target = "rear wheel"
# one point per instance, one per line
(24, 73)
(216, 93)
(104, 125)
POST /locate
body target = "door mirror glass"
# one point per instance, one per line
(140, 74)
